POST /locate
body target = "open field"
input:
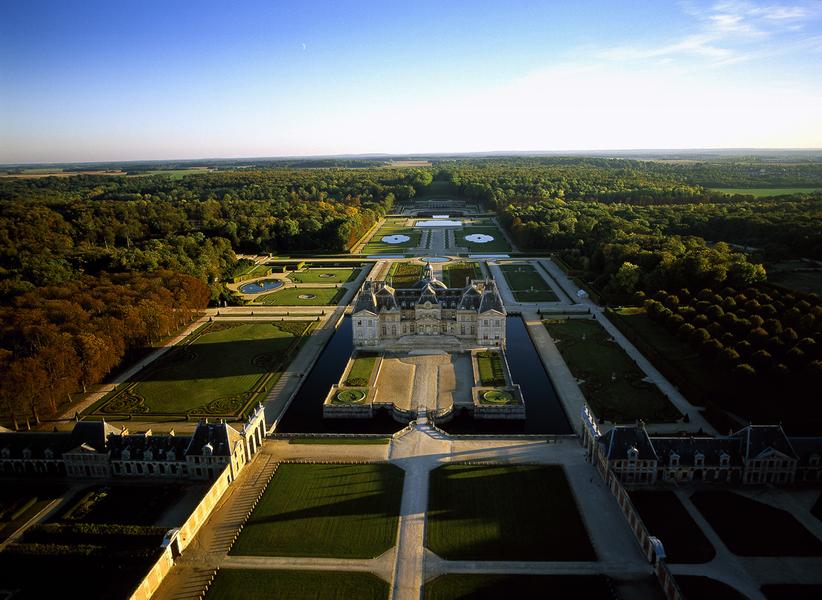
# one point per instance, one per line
(526, 284)
(505, 513)
(666, 518)
(765, 192)
(777, 533)
(498, 244)
(477, 587)
(232, 584)
(611, 382)
(21, 501)
(342, 511)
(312, 297)
(392, 227)
(403, 275)
(224, 369)
(321, 275)
(455, 274)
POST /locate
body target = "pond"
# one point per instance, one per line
(544, 410)
(258, 287)
(435, 259)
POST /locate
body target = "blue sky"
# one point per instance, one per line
(88, 81)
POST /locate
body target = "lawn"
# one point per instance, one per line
(455, 274)
(361, 369)
(22, 501)
(505, 513)
(404, 275)
(493, 587)
(765, 192)
(392, 227)
(498, 244)
(231, 584)
(227, 367)
(775, 533)
(340, 511)
(489, 365)
(595, 360)
(527, 284)
(313, 297)
(320, 275)
(666, 518)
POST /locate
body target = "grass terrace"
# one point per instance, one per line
(455, 274)
(491, 371)
(505, 513)
(498, 244)
(491, 586)
(303, 296)
(775, 533)
(361, 369)
(610, 380)
(527, 284)
(230, 584)
(221, 369)
(335, 511)
(392, 227)
(404, 275)
(322, 275)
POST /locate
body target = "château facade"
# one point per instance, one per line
(473, 315)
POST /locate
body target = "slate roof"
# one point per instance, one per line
(221, 436)
(622, 438)
(88, 436)
(758, 440)
(805, 448)
(688, 447)
(160, 446)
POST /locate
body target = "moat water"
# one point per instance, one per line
(545, 414)
(258, 287)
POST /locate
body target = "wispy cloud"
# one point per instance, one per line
(729, 32)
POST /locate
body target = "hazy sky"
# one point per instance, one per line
(85, 80)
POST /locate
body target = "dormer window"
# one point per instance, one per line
(148, 455)
(49, 454)
(724, 459)
(5, 453)
(699, 459)
(674, 459)
(633, 453)
(26, 453)
(814, 460)
(208, 450)
(171, 455)
(126, 454)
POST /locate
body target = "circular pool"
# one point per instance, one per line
(258, 287)
(435, 259)
(307, 296)
(395, 239)
(479, 238)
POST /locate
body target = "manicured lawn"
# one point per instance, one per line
(765, 192)
(494, 587)
(312, 297)
(233, 584)
(666, 518)
(455, 274)
(498, 244)
(591, 357)
(527, 284)
(774, 533)
(489, 365)
(342, 511)
(404, 275)
(392, 227)
(226, 367)
(319, 275)
(505, 513)
(361, 369)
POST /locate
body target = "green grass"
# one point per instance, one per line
(666, 518)
(765, 192)
(382, 441)
(320, 275)
(591, 357)
(497, 397)
(234, 584)
(775, 532)
(291, 297)
(498, 244)
(361, 369)
(341, 511)
(489, 365)
(454, 274)
(227, 366)
(527, 284)
(493, 587)
(404, 275)
(505, 513)
(392, 227)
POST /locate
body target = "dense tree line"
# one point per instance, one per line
(58, 339)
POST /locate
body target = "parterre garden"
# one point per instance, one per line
(505, 513)
(404, 275)
(454, 275)
(325, 510)
(486, 227)
(393, 227)
(221, 370)
(526, 284)
(611, 382)
(324, 275)
(303, 296)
